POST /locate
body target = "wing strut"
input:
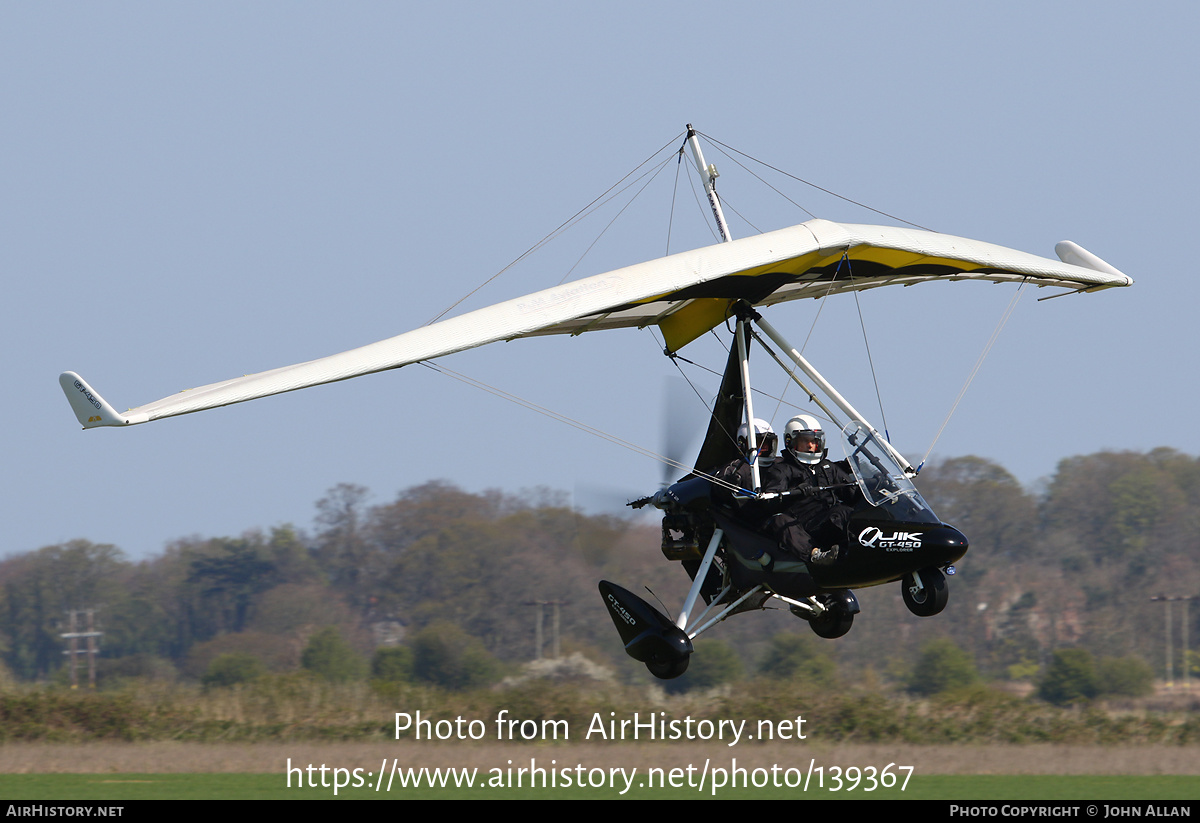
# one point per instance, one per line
(827, 388)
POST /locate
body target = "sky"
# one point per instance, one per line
(195, 191)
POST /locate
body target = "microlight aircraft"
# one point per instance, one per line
(894, 534)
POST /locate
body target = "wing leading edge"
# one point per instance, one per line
(685, 294)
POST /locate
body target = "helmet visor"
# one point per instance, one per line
(810, 442)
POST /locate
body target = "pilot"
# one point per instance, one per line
(821, 494)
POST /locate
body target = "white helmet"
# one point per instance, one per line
(764, 437)
(801, 431)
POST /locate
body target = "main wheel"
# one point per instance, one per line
(670, 669)
(931, 598)
(833, 622)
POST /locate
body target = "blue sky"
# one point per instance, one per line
(194, 191)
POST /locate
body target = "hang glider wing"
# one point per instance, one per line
(684, 294)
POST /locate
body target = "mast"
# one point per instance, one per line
(708, 173)
(751, 434)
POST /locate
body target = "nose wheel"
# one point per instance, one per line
(925, 593)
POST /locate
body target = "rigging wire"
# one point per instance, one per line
(703, 216)
(706, 403)
(726, 205)
(805, 182)
(599, 200)
(674, 193)
(871, 362)
(603, 231)
(790, 371)
(721, 147)
(762, 180)
(625, 183)
(867, 344)
(779, 399)
(811, 328)
(729, 151)
(577, 424)
(987, 348)
(709, 406)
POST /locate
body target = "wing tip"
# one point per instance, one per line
(90, 408)
(1076, 255)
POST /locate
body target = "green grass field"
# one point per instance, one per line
(58, 787)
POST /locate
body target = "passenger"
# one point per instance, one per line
(755, 514)
(738, 472)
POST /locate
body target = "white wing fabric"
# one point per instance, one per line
(684, 294)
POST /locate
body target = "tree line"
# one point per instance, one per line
(1071, 565)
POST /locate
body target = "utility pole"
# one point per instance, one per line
(554, 626)
(73, 651)
(1170, 667)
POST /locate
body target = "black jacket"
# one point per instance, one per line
(813, 507)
